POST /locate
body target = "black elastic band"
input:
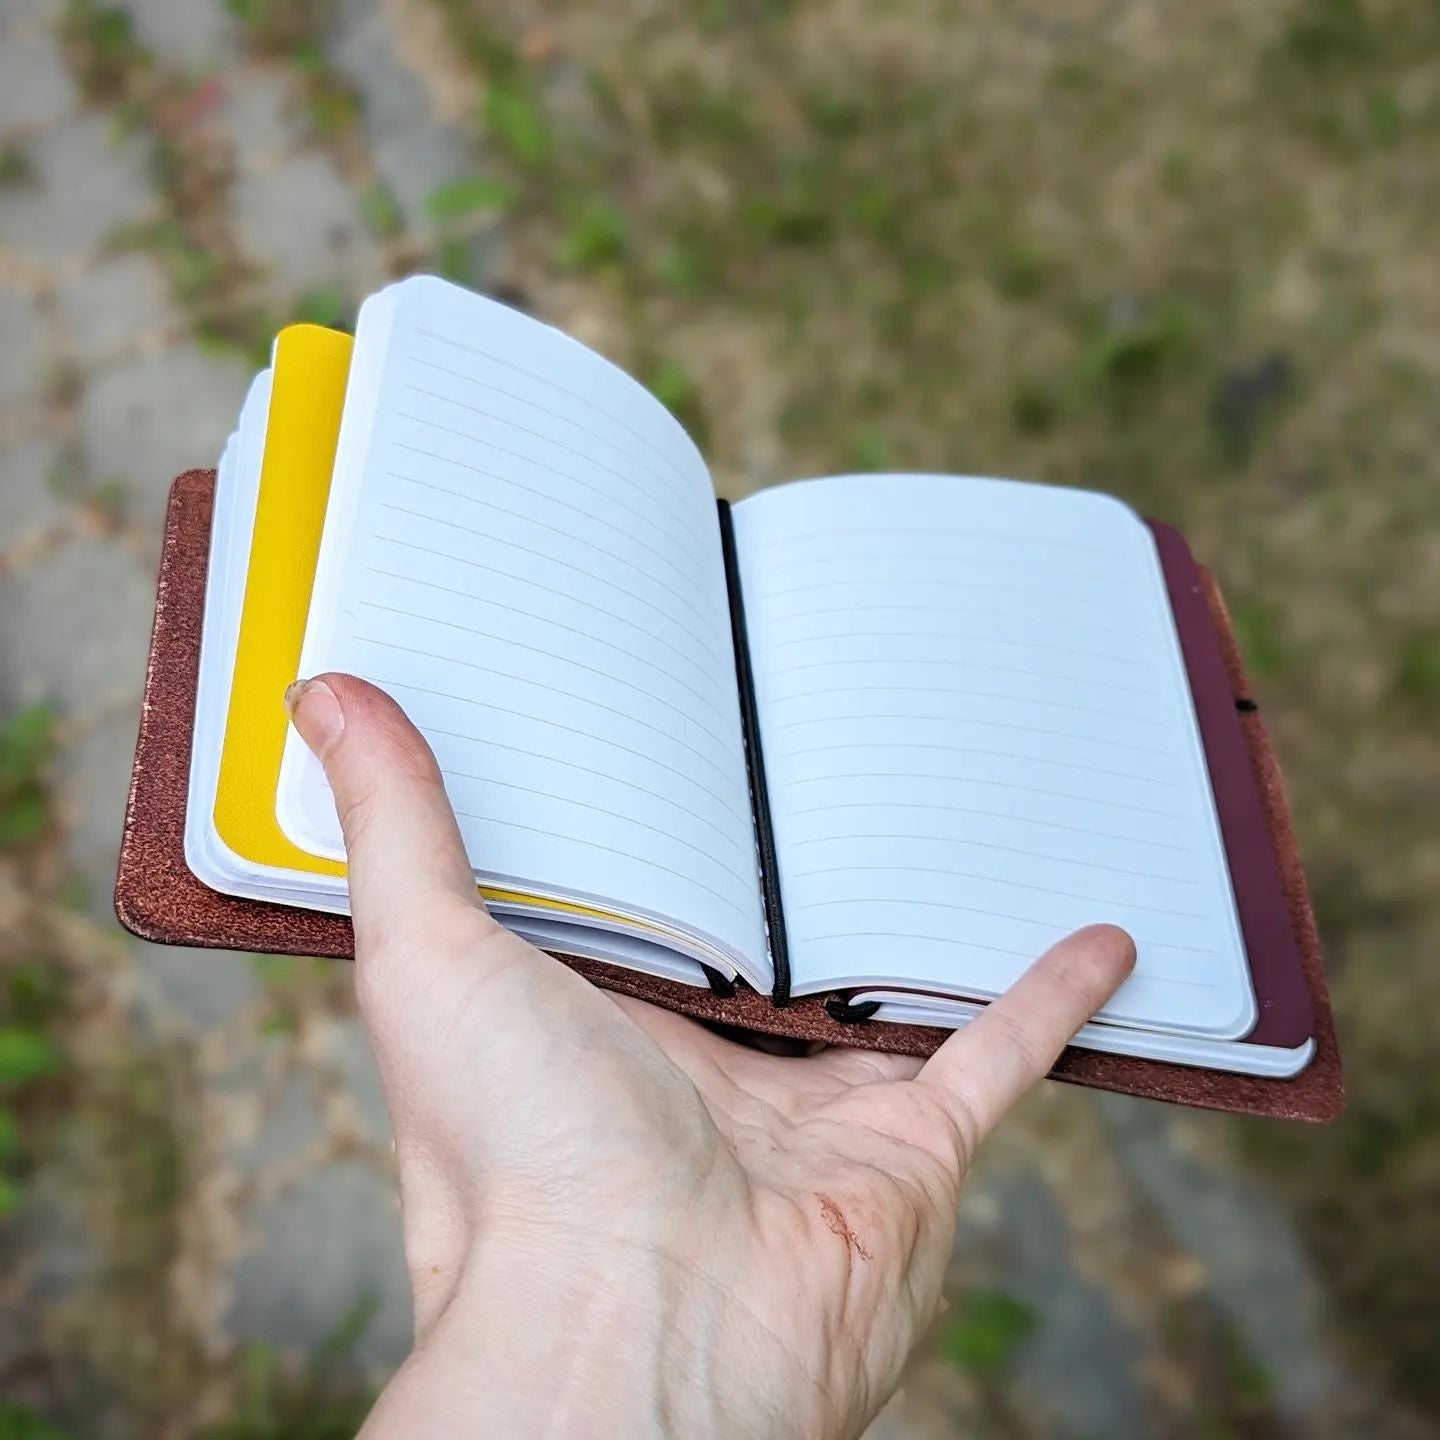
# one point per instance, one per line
(838, 1008)
(759, 794)
(1245, 705)
(722, 985)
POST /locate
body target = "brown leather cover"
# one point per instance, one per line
(158, 899)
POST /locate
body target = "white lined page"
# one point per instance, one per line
(978, 737)
(522, 547)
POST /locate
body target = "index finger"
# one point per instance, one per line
(986, 1067)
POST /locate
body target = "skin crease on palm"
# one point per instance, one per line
(616, 1222)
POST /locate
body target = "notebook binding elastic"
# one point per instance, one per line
(755, 766)
(840, 1010)
(722, 986)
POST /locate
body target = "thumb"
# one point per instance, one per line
(407, 862)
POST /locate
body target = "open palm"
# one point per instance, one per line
(616, 1220)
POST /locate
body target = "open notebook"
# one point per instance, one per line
(878, 739)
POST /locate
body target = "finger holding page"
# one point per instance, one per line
(985, 1068)
(407, 863)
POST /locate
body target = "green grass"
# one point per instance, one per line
(598, 233)
(1261, 643)
(25, 1056)
(331, 308)
(103, 49)
(990, 1327)
(459, 199)
(26, 745)
(16, 168)
(32, 1059)
(319, 1400)
(381, 211)
(18, 1423)
(1417, 668)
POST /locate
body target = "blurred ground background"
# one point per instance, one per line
(1181, 252)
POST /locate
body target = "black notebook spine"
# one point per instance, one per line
(755, 764)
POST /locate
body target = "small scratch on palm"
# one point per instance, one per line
(838, 1225)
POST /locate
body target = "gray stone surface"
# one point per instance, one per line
(1257, 1271)
(25, 358)
(320, 1248)
(291, 1124)
(89, 180)
(94, 769)
(202, 989)
(120, 302)
(415, 163)
(35, 87)
(194, 34)
(149, 418)
(257, 114)
(363, 49)
(349, 1051)
(29, 504)
(1077, 1372)
(74, 627)
(302, 223)
(414, 152)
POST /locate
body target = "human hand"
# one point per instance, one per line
(616, 1221)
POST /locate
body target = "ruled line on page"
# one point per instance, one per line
(551, 383)
(986, 587)
(540, 494)
(569, 629)
(959, 942)
(953, 719)
(658, 498)
(700, 785)
(569, 534)
(684, 533)
(902, 935)
(477, 565)
(908, 556)
(934, 533)
(991, 914)
(566, 695)
(992, 814)
(614, 679)
(883, 745)
(609, 850)
(851, 661)
(537, 585)
(609, 814)
(889, 582)
(963, 694)
(836, 610)
(1001, 880)
(549, 759)
(1022, 851)
(848, 776)
(948, 634)
(580, 840)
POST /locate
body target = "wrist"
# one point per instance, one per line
(558, 1336)
(547, 1338)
